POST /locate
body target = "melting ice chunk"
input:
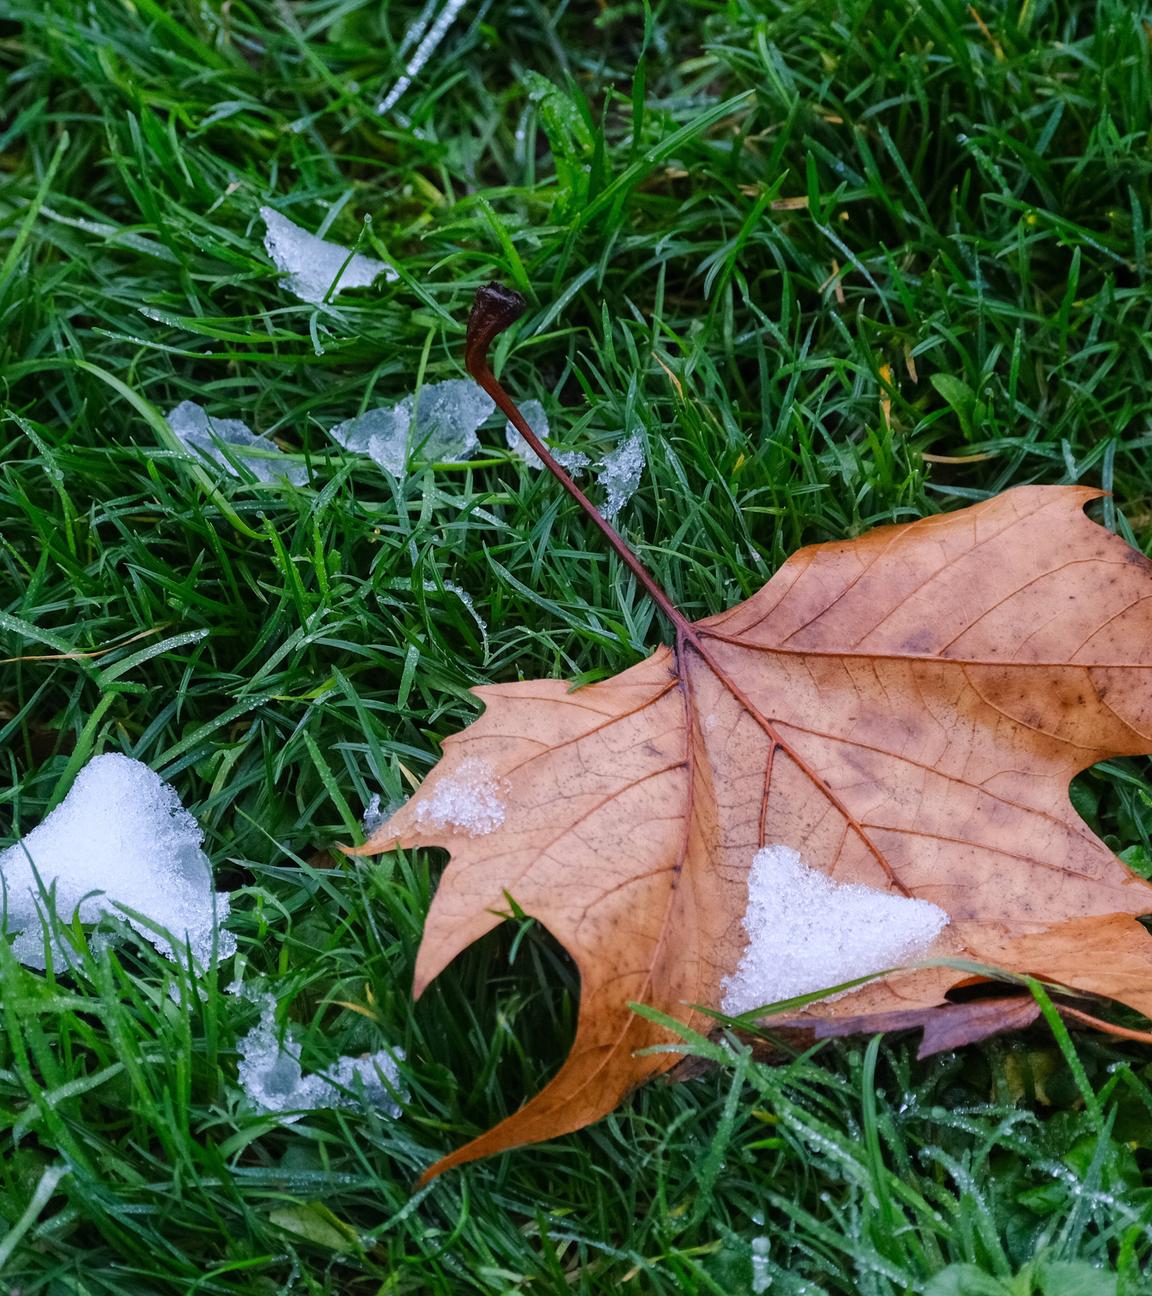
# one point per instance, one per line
(381, 434)
(806, 932)
(272, 1077)
(120, 836)
(537, 420)
(310, 265)
(441, 424)
(469, 800)
(620, 473)
(445, 417)
(199, 431)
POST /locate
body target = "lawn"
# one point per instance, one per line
(838, 264)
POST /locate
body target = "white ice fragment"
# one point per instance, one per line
(619, 474)
(429, 34)
(806, 932)
(537, 420)
(381, 434)
(203, 433)
(470, 800)
(312, 265)
(445, 417)
(120, 837)
(761, 1274)
(272, 1077)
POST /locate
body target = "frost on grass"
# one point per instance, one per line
(203, 434)
(311, 266)
(426, 33)
(470, 800)
(441, 424)
(619, 475)
(120, 837)
(272, 1077)
(806, 932)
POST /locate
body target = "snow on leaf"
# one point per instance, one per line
(904, 711)
(806, 932)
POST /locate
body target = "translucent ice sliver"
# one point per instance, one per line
(439, 424)
(205, 434)
(274, 1081)
(381, 434)
(537, 420)
(120, 837)
(806, 932)
(311, 266)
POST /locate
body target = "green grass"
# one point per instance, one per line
(968, 278)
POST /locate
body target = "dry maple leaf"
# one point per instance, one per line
(904, 710)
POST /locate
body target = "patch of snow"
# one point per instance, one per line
(311, 265)
(806, 932)
(619, 475)
(201, 432)
(470, 800)
(274, 1081)
(381, 434)
(537, 419)
(429, 34)
(120, 837)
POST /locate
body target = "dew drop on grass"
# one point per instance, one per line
(806, 932)
(120, 837)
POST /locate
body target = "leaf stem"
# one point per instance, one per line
(493, 310)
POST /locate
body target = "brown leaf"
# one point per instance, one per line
(905, 710)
